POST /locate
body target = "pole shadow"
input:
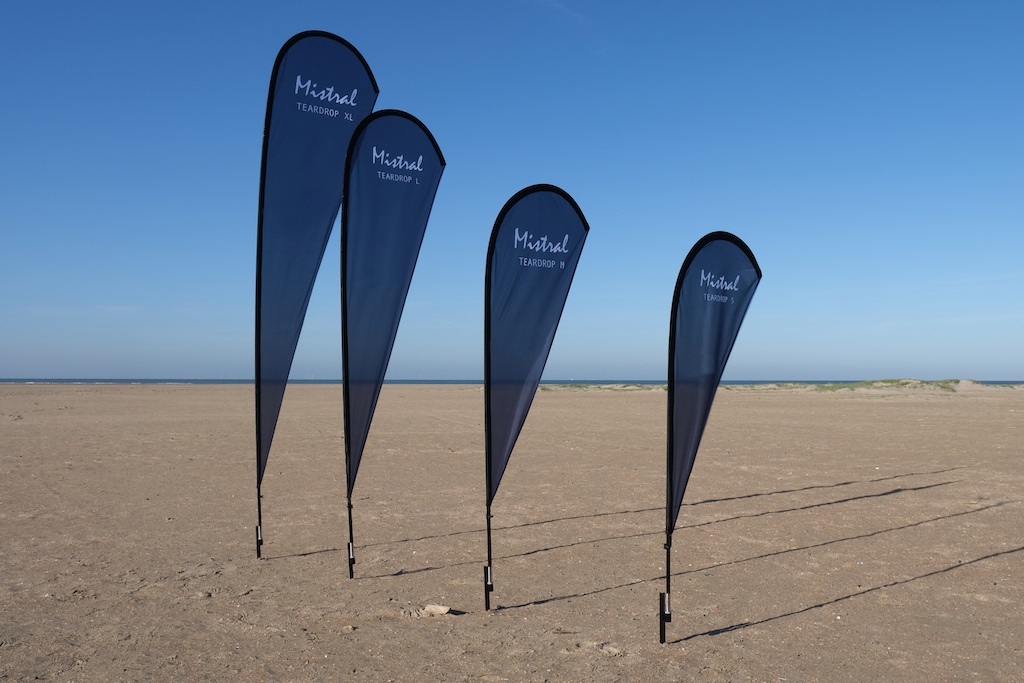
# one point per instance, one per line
(596, 515)
(645, 511)
(762, 556)
(511, 526)
(309, 553)
(891, 492)
(843, 598)
(827, 486)
(623, 537)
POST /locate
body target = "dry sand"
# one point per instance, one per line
(875, 534)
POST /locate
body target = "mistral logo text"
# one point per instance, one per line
(330, 98)
(542, 245)
(719, 282)
(398, 163)
(709, 280)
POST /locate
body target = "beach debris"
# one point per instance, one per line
(428, 611)
(435, 610)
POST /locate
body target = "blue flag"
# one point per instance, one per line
(714, 289)
(535, 246)
(394, 167)
(320, 89)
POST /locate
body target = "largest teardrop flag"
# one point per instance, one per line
(393, 170)
(712, 294)
(320, 89)
(535, 246)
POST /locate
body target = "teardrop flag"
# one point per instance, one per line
(320, 89)
(394, 167)
(713, 291)
(534, 249)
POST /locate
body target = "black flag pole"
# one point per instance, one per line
(259, 495)
(351, 543)
(714, 288)
(259, 457)
(665, 606)
(259, 521)
(665, 599)
(346, 418)
(488, 577)
(665, 602)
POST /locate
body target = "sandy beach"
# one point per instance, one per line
(827, 534)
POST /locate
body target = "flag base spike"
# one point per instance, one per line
(259, 539)
(488, 587)
(351, 560)
(664, 615)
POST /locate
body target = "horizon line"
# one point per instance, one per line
(650, 382)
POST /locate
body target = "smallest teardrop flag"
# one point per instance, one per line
(713, 291)
(712, 294)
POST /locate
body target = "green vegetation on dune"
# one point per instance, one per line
(944, 384)
(574, 387)
(949, 385)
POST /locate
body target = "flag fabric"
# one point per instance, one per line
(715, 286)
(394, 168)
(534, 249)
(320, 89)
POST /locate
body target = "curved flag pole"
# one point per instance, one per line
(713, 291)
(392, 173)
(320, 88)
(532, 255)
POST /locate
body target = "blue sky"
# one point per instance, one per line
(871, 154)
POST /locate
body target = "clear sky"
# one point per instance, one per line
(870, 153)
